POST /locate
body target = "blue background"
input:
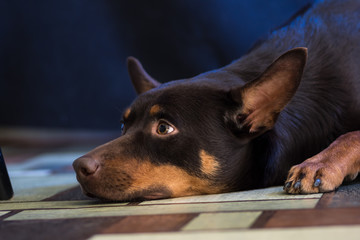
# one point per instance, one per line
(63, 62)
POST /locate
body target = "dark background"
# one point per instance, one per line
(63, 62)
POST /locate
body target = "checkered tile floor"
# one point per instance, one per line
(48, 204)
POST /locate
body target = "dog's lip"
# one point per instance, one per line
(90, 195)
(87, 193)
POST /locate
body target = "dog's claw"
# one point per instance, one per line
(317, 182)
(287, 185)
(297, 184)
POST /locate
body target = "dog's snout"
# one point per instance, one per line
(86, 166)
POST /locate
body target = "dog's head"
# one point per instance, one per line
(192, 136)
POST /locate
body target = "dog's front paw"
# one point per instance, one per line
(313, 176)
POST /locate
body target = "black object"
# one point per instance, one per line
(6, 191)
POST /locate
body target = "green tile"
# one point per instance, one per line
(217, 221)
(164, 209)
(56, 205)
(272, 193)
(316, 233)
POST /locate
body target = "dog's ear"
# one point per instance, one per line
(140, 79)
(260, 101)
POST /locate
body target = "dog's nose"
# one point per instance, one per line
(85, 166)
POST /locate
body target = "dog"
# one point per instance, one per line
(287, 113)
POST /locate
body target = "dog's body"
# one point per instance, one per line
(245, 125)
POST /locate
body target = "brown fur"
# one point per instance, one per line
(340, 160)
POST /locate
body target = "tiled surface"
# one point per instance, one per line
(99, 211)
(314, 217)
(272, 193)
(3, 213)
(217, 221)
(334, 233)
(57, 205)
(46, 204)
(37, 193)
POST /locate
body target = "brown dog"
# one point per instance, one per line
(244, 125)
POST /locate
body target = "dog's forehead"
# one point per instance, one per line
(176, 97)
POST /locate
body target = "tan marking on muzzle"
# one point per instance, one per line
(141, 175)
(209, 164)
(154, 109)
(180, 183)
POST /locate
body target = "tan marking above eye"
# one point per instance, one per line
(127, 113)
(209, 164)
(155, 109)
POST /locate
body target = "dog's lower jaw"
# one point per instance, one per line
(156, 195)
(151, 193)
(128, 196)
(88, 194)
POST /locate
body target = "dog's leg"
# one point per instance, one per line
(326, 171)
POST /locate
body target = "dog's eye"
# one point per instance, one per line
(164, 128)
(122, 126)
